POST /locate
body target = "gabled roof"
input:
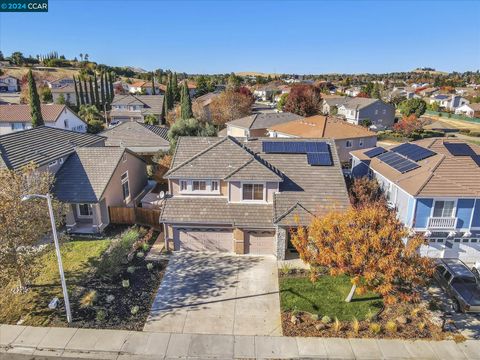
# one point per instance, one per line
(86, 173)
(41, 145)
(152, 104)
(21, 113)
(443, 174)
(263, 120)
(358, 103)
(320, 126)
(137, 136)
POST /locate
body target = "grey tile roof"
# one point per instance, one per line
(86, 174)
(152, 104)
(132, 134)
(216, 211)
(42, 145)
(264, 120)
(305, 189)
(358, 103)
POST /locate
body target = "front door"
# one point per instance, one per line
(84, 211)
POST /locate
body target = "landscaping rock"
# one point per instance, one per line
(320, 326)
(402, 320)
(294, 320)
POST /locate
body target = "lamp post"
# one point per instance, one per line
(57, 249)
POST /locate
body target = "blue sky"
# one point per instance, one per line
(266, 36)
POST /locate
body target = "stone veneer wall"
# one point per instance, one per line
(281, 243)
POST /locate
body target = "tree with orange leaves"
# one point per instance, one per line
(409, 124)
(367, 244)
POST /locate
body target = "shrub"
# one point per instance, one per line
(433, 305)
(145, 247)
(131, 269)
(285, 269)
(100, 315)
(134, 310)
(140, 254)
(326, 319)
(391, 327)
(149, 266)
(415, 312)
(421, 326)
(88, 299)
(314, 317)
(370, 315)
(337, 325)
(126, 283)
(375, 328)
(355, 325)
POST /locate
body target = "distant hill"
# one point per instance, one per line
(429, 71)
(136, 69)
(254, 73)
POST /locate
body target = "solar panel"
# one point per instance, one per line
(476, 158)
(459, 149)
(322, 159)
(397, 162)
(294, 147)
(413, 152)
(375, 152)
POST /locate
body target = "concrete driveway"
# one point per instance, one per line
(210, 293)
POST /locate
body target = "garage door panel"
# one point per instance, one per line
(203, 239)
(261, 242)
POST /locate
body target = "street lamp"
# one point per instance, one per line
(57, 249)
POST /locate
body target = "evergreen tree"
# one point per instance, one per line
(92, 92)
(35, 108)
(97, 95)
(153, 83)
(107, 90)
(169, 97)
(82, 97)
(85, 87)
(202, 86)
(77, 98)
(185, 103)
(102, 89)
(175, 89)
(110, 78)
(164, 105)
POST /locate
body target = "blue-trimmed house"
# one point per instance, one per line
(435, 186)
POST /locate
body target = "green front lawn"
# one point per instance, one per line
(79, 257)
(326, 297)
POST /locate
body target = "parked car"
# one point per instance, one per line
(460, 283)
(476, 270)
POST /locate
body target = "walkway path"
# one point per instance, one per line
(35, 342)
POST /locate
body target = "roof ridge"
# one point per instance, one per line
(290, 210)
(240, 167)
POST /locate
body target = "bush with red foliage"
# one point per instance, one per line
(304, 100)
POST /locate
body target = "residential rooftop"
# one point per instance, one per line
(264, 120)
(21, 113)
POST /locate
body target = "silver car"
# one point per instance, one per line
(460, 283)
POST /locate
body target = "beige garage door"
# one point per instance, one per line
(203, 239)
(261, 242)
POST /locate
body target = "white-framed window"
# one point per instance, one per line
(443, 208)
(183, 185)
(360, 142)
(125, 186)
(52, 163)
(349, 144)
(199, 185)
(214, 186)
(84, 210)
(253, 192)
(17, 126)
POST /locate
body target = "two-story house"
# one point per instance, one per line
(448, 102)
(135, 107)
(256, 125)
(434, 186)
(243, 196)
(17, 117)
(347, 137)
(358, 111)
(9, 84)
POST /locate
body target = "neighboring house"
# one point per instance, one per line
(358, 110)
(60, 83)
(265, 92)
(144, 87)
(201, 104)
(449, 102)
(243, 196)
(429, 91)
(68, 93)
(143, 139)
(434, 186)
(347, 137)
(9, 84)
(331, 102)
(354, 91)
(135, 107)
(17, 118)
(470, 110)
(256, 125)
(94, 178)
(47, 147)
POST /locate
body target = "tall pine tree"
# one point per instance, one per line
(107, 90)
(35, 107)
(164, 105)
(169, 96)
(97, 95)
(185, 103)
(77, 98)
(175, 89)
(82, 96)
(102, 89)
(153, 83)
(110, 78)
(85, 87)
(92, 92)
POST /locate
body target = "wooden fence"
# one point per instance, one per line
(134, 215)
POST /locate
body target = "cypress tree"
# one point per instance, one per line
(164, 105)
(107, 90)
(85, 87)
(77, 98)
(175, 89)
(169, 96)
(110, 78)
(153, 83)
(185, 103)
(102, 89)
(97, 96)
(35, 107)
(92, 93)
(82, 98)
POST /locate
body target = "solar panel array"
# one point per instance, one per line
(398, 162)
(375, 152)
(457, 149)
(476, 158)
(318, 152)
(413, 152)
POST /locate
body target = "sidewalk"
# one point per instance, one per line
(36, 342)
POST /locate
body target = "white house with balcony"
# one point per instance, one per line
(434, 186)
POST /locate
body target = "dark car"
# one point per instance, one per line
(460, 283)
